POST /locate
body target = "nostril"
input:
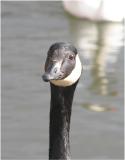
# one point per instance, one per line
(55, 70)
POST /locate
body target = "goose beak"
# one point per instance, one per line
(53, 73)
(46, 77)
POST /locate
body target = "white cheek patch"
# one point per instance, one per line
(72, 78)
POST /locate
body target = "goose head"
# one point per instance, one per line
(62, 66)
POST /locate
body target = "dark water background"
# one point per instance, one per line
(28, 29)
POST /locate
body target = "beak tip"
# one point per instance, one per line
(45, 78)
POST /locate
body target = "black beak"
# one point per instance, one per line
(46, 77)
(53, 73)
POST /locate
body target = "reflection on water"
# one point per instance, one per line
(99, 46)
(98, 108)
(106, 55)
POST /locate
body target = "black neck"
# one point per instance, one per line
(60, 113)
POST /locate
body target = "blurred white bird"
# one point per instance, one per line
(97, 10)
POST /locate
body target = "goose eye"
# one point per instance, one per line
(71, 57)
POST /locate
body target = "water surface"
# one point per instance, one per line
(28, 29)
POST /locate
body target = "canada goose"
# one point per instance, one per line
(63, 70)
